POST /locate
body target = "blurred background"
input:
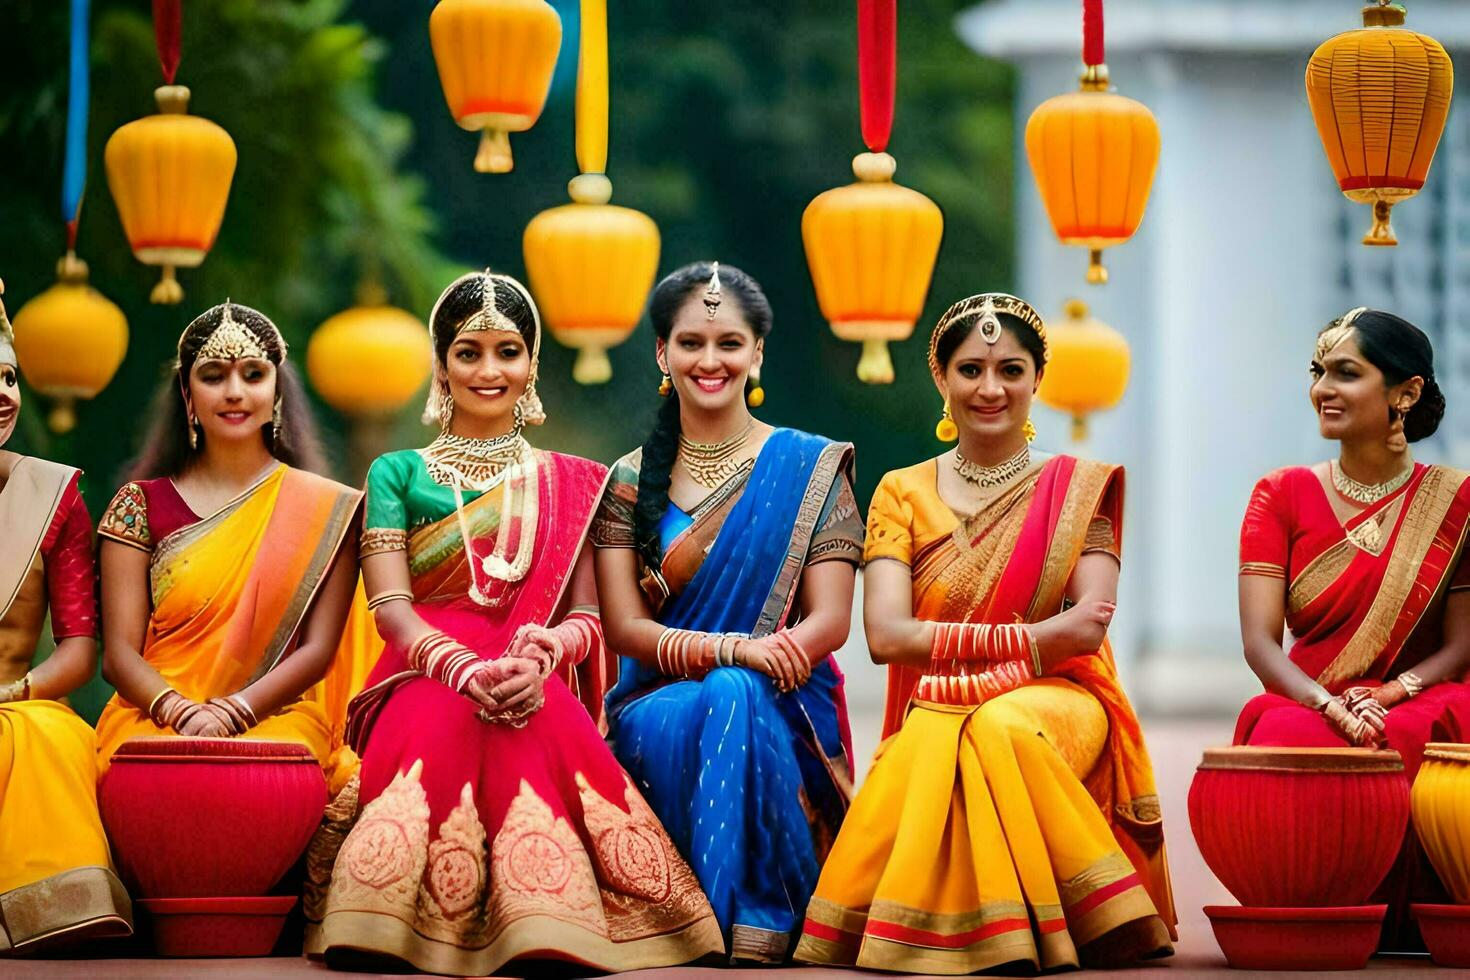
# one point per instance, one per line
(726, 120)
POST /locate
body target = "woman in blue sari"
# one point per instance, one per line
(726, 552)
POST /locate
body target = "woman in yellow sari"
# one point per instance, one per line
(1010, 814)
(227, 577)
(56, 878)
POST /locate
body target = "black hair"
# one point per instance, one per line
(662, 445)
(965, 325)
(466, 297)
(166, 451)
(1402, 351)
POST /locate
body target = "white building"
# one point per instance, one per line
(1247, 249)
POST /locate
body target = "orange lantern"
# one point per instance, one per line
(591, 263)
(1380, 96)
(70, 341)
(1086, 367)
(1093, 154)
(871, 245)
(495, 60)
(369, 360)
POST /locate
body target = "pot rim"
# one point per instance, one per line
(1447, 751)
(1275, 758)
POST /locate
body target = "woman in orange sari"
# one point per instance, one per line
(990, 581)
(56, 879)
(1360, 558)
(228, 568)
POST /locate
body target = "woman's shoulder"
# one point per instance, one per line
(1284, 479)
(320, 483)
(915, 478)
(785, 438)
(625, 468)
(1100, 467)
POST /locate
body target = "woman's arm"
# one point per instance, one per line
(1262, 625)
(1081, 628)
(1448, 663)
(68, 668)
(627, 624)
(894, 635)
(825, 594)
(125, 612)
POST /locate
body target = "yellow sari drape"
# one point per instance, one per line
(229, 595)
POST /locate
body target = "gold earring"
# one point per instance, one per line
(1397, 441)
(946, 430)
(276, 421)
(446, 409)
(666, 386)
(193, 432)
(1029, 431)
(756, 397)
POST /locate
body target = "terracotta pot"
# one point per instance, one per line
(1441, 807)
(1299, 827)
(217, 926)
(1296, 939)
(207, 817)
(1446, 931)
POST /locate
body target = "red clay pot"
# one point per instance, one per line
(217, 926)
(205, 817)
(1299, 827)
(1297, 939)
(1446, 931)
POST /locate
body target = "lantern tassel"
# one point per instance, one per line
(875, 367)
(168, 292)
(592, 89)
(493, 156)
(168, 33)
(1382, 232)
(592, 366)
(63, 415)
(877, 69)
(1079, 428)
(1097, 273)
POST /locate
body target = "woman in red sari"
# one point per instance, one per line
(1360, 558)
(495, 823)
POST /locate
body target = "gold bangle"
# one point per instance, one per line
(385, 597)
(153, 706)
(1035, 650)
(1412, 683)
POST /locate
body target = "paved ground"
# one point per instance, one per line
(1175, 745)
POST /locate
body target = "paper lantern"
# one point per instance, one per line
(871, 245)
(1093, 154)
(170, 176)
(1086, 367)
(70, 341)
(1380, 96)
(1295, 827)
(495, 60)
(591, 263)
(369, 360)
(1441, 807)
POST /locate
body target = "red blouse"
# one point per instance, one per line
(146, 512)
(70, 568)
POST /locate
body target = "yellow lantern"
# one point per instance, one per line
(1380, 96)
(1093, 154)
(871, 248)
(369, 360)
(69, 341)
(1086, 368)
(170, 175)
(591, 263)
(495, 60)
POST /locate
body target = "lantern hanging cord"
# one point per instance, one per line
(1092, 32)
(74, 169)
(592, 89)
(877, 69)
(168, 32)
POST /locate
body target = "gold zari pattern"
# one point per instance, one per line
(712, 463)
(380, 540)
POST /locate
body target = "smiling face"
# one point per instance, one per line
(232, 399)
(1351, 395)
(488, 371)
(710, 359)
(989, 387)
(9, 400)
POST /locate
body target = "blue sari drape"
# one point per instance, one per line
(751, 784)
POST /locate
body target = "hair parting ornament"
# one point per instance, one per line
(440, 406)
(987, 307)
(231, 340)
(712, 293)
(1336, 332)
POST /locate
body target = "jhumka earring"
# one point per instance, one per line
(1397, 441)
(946, 430)
(446, 409)
(756, 397)
(276, 421)
(666, 386)
(1029, 430)
(193, 423)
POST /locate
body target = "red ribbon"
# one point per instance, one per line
(877, 69)
(1092, 32)
(168, 31)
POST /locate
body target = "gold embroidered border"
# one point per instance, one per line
(381, 540)
(1417, 533)
(75, 904)
(946, 923)
(33, 496)
(1112, 867)
(1010, 947)
(1319, 575)
(1090, 479)
(1264, 569)
(983, 546)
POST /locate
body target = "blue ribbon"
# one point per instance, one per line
(74, 173)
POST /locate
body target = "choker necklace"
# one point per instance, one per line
(992, 476)
(1367, 493)
(473, 464)
(712, 463)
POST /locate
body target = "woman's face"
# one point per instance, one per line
(488, 372)
(9, 400)
(709, 359)
(989, 387)
(232, 399)
(1350, 395)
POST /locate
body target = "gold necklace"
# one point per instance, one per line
(712, 463)
(473, 464)
(1367, 493)
(520, 511)
(992, 476)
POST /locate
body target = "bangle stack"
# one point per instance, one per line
(690, 653)
(440, 656)
(1412, 683)
(986, 643)
(237, 711)
(385, 597)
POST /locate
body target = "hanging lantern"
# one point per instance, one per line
(495, 61)
(871, 245)
(1093, 154)
(170, 173)
(70, 341)
(1380, 96)
(1086, 367)
(369, 360)
(591, 263)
